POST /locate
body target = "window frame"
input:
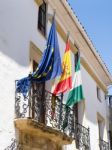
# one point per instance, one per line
(101, 126)
(42, 24)
(35, 57)
(99, 94)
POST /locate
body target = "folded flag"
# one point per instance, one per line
(65, 82)
(23, 85)
(49, 66)
(76, 93)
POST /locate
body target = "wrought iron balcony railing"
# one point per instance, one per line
(14, 145)
(103, 145)
(110, 139)
(47, 109)
(82, 137)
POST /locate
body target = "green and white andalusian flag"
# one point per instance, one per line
(76, 93)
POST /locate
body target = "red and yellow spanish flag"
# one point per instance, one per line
(65, 82)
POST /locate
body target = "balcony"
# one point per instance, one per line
(14, 145)
(44, 114)
(103, 145)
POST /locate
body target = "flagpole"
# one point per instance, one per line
(60, 115)
(68, 34)
(61, 103)
(75, 106)
(54, 13)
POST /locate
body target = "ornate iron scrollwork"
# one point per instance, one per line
(103, 145)
(14, 146)
(82, 137)
(48, 109)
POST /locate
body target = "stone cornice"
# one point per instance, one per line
(32, 127)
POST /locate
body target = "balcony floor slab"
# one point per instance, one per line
(36, 129)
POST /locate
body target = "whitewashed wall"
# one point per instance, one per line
(18, 26)
(92, 107)
(88, 110)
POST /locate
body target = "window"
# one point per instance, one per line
(38, 89)
(99, 93)
(110, 137)
(42, 18)
(101, 125)
(110, 101)
(100, 129)
(38, 97)
(76, 58)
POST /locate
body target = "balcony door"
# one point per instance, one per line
(76, 57)
(38, 99)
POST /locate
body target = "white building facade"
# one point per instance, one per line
(22, 42)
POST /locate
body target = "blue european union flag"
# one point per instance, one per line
(49, 66)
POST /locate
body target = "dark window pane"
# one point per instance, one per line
(42, 18)
(99, 93)
(38, 97)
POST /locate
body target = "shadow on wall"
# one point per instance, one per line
(16, 53)
(91, 102)
(81, 109)
(17, 25)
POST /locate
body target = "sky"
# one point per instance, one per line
(96, 17)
